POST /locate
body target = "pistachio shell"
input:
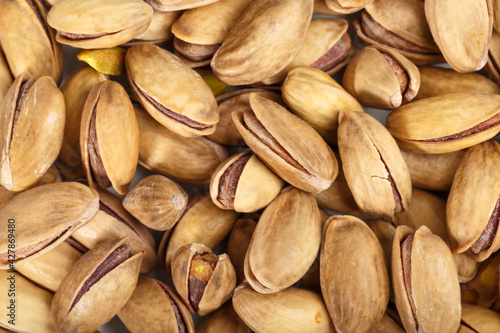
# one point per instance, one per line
(5, 76)
(496, 15)
(159, 30)
(479, 319)
(491, 66)
(238, 243)
(347, 6)
(224, 319)
(321, 8)
(482, 289)
(385, 232)
(171, 5)
(386, 325)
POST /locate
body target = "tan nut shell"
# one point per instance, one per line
(491, 66)
(30, 147)
(5, 76)
(263, 41)
(385, 232)
(347, 6)
(224, 319)
(480, 319)
(238, 243)
(357, 296)
(159, 29)
(45, 216)
(387, 325)
(285, 242)
(171, 5)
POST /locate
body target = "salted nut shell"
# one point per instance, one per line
(224, 319)
(304, 160)
(233, 184)
(238, 243)
(446, 123)
(464, 40)
(356, 299)
(424, 277)
(109, 137)
(252, 51)
(492, 65)
(204, 280)
(478, 319)
(5, 76)
(318, 99)
(381, 77)
(164, 86)
(290, 310)
(157, 202)
(32, 125)
(341, 7)
(155, 308)
(94, 24)
(373, 166)
(285, 242)
(158, 31)
(44, 217)
(172, 5)
(387, 325)
(384, 231)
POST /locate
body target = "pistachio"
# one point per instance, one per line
(387, 325)
(159, 30)
(5, 76)
(321, 8)
(492, 65)
(172, 5)
(224, 319)
(347, 6)
(483, 289)
(107, 61)
(238, 243)
(384, 231)
(478, 319)
(496, 15)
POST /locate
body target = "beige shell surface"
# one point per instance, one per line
(5, 76)
(159, 28)
(224, 319)
(172, 5)
(491, 66)
(342, 7)
(238, 243)
(480, 319)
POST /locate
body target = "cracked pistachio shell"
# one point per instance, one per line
(155, 308)
(446, 123)
(215, 291)
(75, 90)
(425, 282)
(373, 166)
(381, 77)
(478, 319)
(97, 287)
(473, 205)
(94, 24)
(238, 243)
(159, 30)
(224, 319)
(464, 40)
(318, 99)
(233, 184)
(305, 160)
(190, 160)
(254, 50)
(491, 66)
(109, 137)
(356, 297)
(112, 221)
(172, 5)
(341, 7)
(157, 202)
(32, 123)
(164, 86)
(401, 25)
(290, 310)
(44, 217)
(32, 313)
(285, 242)
(5, 76)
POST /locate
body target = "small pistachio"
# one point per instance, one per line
(106, 61)
(158, 31)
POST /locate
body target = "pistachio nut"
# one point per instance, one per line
(157, 202)
(285, 242)
(478, 319)
(150, 69)
(356, 298)
(109, 61)
(387, 325)
(464, 40)
(155, 308)
(496, 15)
(113, 222)
(384, 231)
(97, 287)
(492, 67)
(446, 123)
(381, 77)
(373, 166)
(238, 243)
(109, 137)
(347, 6)
(233, 184)
(424, 277)
(75, 90)
(321, 8)
(159, 30)
(483, 289)
(32, 125)
(224, 319)
(401, 25)
(203, 279)
(5, 76)
(290, 310)
(173, 5)
(190, 63)
(318, 99)
(263, 41)
(304, 160)
(94, 24)
(43, 217)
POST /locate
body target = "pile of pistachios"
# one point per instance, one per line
(203, 166)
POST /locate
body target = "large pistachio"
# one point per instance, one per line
(381, 77)
(158, 31)
(373, 166)
(27, 40)
(263, 41)
(238, 243)
(224, 319)
(290, 310)
(464, 40)
(285, 242)
(164, 86)
(94, 24)
(424, 277)
(155, 308)
(347, 6)
(31, 127)
(172, 5)
(96, 288)
(446, 123)
(43, 217)
(287, 145)
(109, 137)
(5, 76)
(315, 97)
(478, 319)
(356, 297)
(492, 65)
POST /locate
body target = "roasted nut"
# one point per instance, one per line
(492, 65)
(224, 319)
(238, 243)
(158, 31)
(478, 319)
(346, 6)
(482, 289)
(5, 76)
(172, 5)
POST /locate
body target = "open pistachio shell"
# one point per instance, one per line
(5, 76)
(172, 5)
(224, 319)
(43, 217)
(155, 308)
(347, 6)
(492, 67)
(93, 24)
(158, 30)
(478, 319)
(238, 243)
(252, 51)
